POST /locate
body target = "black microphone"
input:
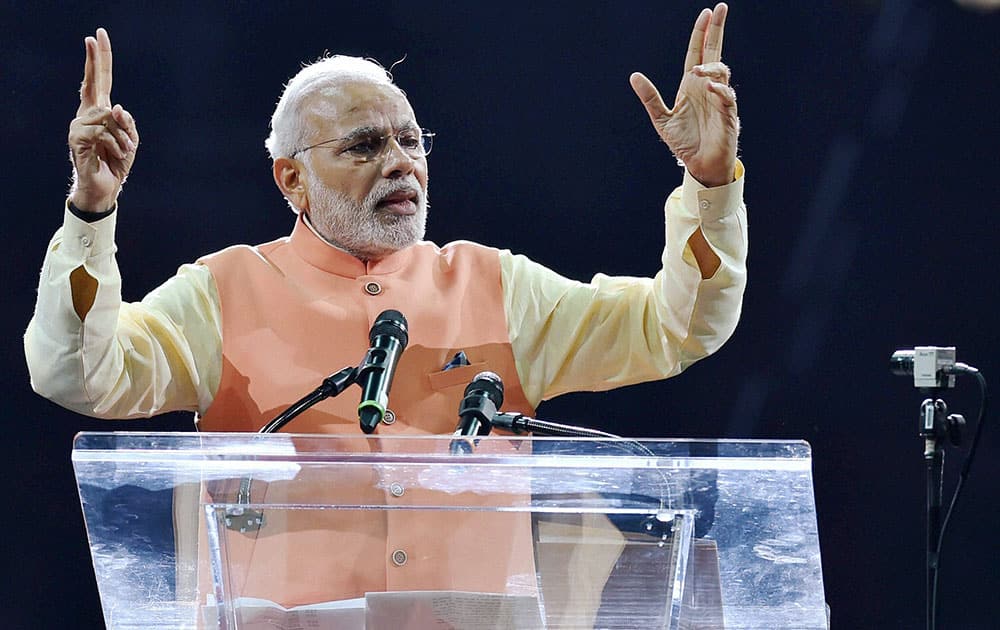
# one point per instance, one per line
(388, 338)
(483, 397)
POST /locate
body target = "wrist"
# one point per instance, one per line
(714, 180)
(91, 204)
(713, 175)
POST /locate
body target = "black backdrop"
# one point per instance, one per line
(869, 133)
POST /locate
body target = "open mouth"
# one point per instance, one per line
(401, 202)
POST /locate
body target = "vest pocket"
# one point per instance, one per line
(456, 376)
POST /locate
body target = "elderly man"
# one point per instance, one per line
(239, 335)
(233, 337)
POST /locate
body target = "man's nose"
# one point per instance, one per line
(396, 162)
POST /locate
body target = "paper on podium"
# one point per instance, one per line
(263, 614)
(401, 610)
(451, 610)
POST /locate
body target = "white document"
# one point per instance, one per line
(451, 610)
(403, 610)
(263, 614)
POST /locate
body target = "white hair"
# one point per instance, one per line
(325, 76)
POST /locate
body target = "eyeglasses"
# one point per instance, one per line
(367, 148)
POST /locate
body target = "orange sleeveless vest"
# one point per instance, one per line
(296, 310)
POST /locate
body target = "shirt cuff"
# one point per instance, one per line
(85, 239)
(89, 217)
(712, 204)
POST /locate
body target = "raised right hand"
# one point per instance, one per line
(102, 139)
(702, 128)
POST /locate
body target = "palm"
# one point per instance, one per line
(702, 127)
(98, 172)
(699, 132)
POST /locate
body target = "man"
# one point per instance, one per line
(244, 332)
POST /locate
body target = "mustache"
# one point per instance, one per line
(386, 188)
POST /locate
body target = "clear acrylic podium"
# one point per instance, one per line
(426, 532)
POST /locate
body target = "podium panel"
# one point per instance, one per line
(268, 531)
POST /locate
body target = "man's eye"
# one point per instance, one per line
(409, 141)
(364, 147)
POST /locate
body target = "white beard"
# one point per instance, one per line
(359, 228)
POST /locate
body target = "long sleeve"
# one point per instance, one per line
(613, 331)
(124, 360)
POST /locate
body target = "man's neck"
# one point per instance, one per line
(312, 228)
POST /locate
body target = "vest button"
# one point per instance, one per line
(373, 288)
(389, 417)
(399, 557)
(396, 489)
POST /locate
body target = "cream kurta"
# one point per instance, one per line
(165, 353)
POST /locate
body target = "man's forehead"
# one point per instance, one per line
(360, 105)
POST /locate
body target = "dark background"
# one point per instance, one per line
(869, 136)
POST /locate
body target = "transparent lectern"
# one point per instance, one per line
(249, 531)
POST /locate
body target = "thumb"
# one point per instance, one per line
(649, 96)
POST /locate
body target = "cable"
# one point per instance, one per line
(332, 385)
(966, 468)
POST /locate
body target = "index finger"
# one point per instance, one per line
(713, 41)
(87, 87)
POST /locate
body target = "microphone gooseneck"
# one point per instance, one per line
(519, 424)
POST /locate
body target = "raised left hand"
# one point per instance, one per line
(702, 128)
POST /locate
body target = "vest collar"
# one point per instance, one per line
(318, 253)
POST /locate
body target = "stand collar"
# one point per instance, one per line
(317, 252)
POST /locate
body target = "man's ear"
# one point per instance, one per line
(289, 175)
